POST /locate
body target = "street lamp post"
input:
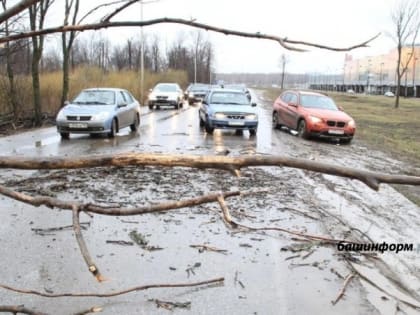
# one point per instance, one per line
(414, 77)
(141, 57)
(142, 50)
(380, 78)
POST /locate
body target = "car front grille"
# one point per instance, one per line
(160, 97)
(333, 123)
(79, 118)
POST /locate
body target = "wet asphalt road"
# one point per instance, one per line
(266, 273)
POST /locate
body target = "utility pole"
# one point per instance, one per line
(380, 78)
(141, 57)
(142, 50)
(414, 77)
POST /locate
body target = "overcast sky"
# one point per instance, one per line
(329, 22)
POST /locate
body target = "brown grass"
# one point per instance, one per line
(82, 78)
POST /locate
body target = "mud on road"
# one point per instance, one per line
(265, 272)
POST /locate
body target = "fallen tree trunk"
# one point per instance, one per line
(233, 164)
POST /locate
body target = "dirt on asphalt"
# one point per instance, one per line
(265, 272)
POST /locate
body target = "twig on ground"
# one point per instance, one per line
(83, 226)
(95, 309)
(343, 289)
(123, 243)
(202, 248)
(114, 293)
(19, 309)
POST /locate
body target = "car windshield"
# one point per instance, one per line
(165, 88)
(95, 97)
(317, 101)
(229, 98)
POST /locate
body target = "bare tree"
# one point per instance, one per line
(67, 40)
(406, 20)
(156, 57)
(9, 66)
(37, 13)
(283, 62)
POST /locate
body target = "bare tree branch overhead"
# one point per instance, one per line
(232, 164)
(118, 10)
(16, 9)
(284, 42)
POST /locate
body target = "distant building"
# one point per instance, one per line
(378, 73)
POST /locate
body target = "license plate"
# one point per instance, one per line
(77, 125)
(236, 123)
(336, 132)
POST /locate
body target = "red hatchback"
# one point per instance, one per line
(312, 115)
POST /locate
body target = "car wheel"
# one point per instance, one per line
(113, 131)
(302, 132)
(135, 125)
(276, 124)
(151, 107)
(252, 132)
(201, 121)
(209, 129)
(181, 105)
(157, 107)
(65, 135)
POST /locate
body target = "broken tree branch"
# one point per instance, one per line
(68, 205)
(76, 207)
(118, 10)
(371, 179)
(284, 42)
(115, 293)
(82, 245)
(16, 9)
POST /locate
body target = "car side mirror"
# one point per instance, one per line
(253, 104)
(66, 103)
(150, 90)
(122, 104)
(340, 108)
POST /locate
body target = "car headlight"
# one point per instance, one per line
(152, 97)
(61, 115)
(251, 117)
(315, 120)
(351, 124)
(219, 116)
(101, 116)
